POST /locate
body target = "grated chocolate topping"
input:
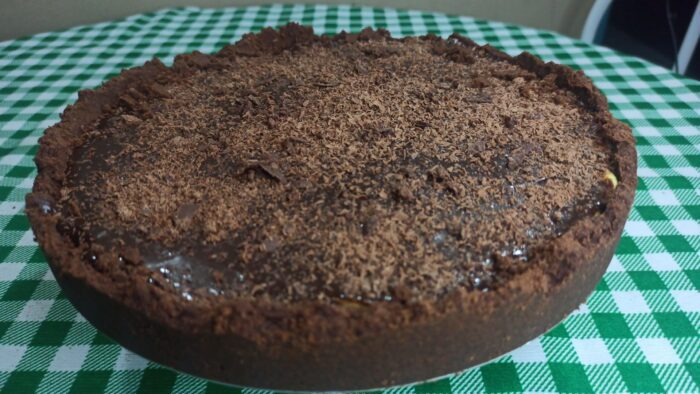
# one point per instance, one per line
(357, 170)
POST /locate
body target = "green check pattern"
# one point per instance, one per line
(638, 332)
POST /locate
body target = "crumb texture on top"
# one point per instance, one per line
(362, 169)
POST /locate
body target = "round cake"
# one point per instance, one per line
(301, 212)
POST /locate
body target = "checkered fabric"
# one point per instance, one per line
(639, 331)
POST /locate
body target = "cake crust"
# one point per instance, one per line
(315, 344)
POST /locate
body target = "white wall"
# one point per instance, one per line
(23, 17)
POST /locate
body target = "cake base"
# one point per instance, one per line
(416, 353)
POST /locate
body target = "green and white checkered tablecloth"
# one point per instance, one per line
(639, 331)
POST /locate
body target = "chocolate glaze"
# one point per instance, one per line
(141, 283)
(294, 172)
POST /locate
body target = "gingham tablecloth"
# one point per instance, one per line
(639, 331)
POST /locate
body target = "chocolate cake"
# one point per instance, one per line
(301, 212)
